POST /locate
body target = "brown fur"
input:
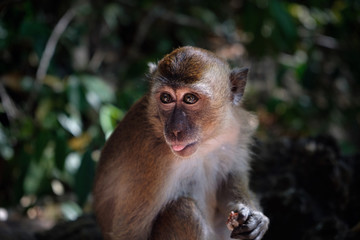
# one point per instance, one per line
(181, 219)
(148, 187)
(186, 65)
(143, 170)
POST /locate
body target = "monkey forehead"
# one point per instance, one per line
(199, 87)
(211, 84)
(188, 65)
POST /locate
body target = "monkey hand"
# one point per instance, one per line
(247, 224)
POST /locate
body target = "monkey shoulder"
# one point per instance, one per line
(133, 132)
(127, 132)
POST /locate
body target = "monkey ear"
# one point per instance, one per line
(238, 78)
(152, 67)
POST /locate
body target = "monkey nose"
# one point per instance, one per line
(176, 132)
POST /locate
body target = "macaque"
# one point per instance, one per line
(177, 165)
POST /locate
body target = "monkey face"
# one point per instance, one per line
(181, 112)
(192, 89)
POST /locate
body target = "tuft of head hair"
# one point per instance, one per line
(186, 65)
(152, 68)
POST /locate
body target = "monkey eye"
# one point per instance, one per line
(165, 98)
(190, 98)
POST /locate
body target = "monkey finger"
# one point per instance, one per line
(243, 213)
(261, 234)
(262, 231)
(246, 229)
(256, 234)
(253, 221)
(254, 228)
(247, 235)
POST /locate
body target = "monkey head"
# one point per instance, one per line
(192, 90)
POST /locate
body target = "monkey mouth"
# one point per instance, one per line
(178, 147)
(184, 149)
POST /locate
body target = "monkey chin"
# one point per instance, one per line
(184, 150)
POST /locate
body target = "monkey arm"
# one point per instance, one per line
(128, 196)
(234, 191)
(246, 221)
(128, 203)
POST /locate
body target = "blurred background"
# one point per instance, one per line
(69, 71)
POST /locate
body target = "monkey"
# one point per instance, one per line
(177, 165)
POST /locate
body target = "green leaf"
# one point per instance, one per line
(61, 150)
(109, 118)
(76, 93)
(71, 210)
(84, 178)
(205, 15)
(45, 115)
(72, 123)
(97, 91)
(285, 34)
(6, 150)
(113, 12)
(36, 31)
(72, 162)
(27, 128)
(33, 178)
(41, 141)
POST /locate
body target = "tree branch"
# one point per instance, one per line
(8, 104)
(51, 44)
(49, 52)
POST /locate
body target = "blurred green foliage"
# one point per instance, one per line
(304, 79)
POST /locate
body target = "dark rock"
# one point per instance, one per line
(307, 189)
